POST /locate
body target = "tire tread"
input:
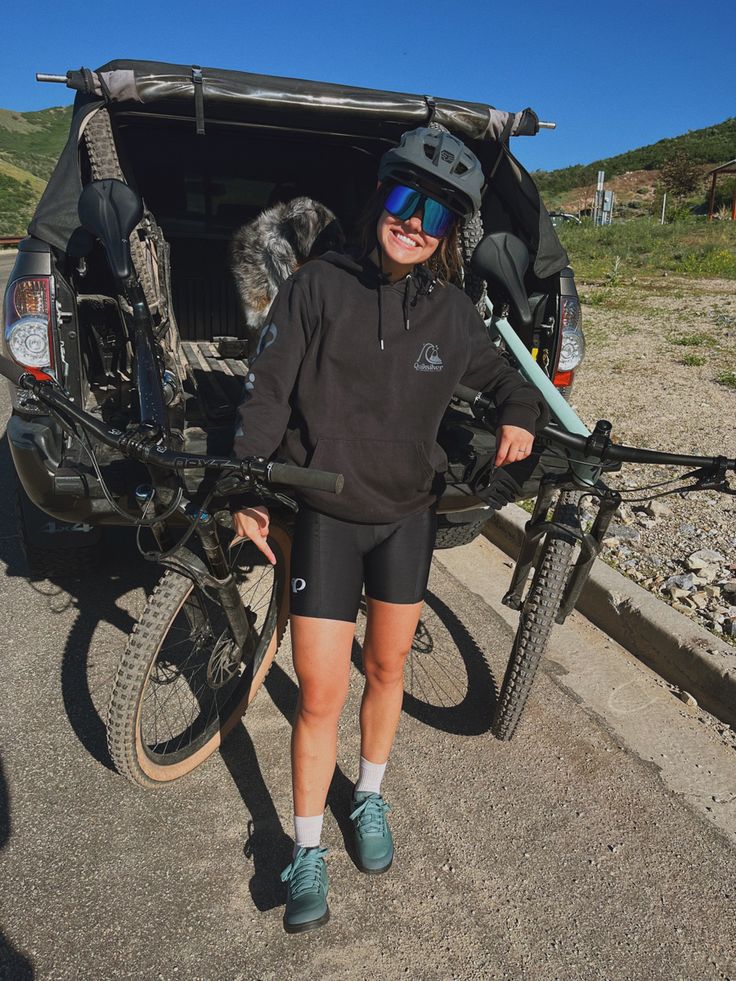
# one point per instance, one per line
(536, 621)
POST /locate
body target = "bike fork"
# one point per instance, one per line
(535, 528)
(538, 527)
(590, 546)
(227, 589)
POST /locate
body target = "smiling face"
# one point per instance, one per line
(403, 243)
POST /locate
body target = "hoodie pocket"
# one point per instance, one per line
(376, 470)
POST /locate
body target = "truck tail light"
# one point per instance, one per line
(572, 350)
(563, 379)
(28, 325)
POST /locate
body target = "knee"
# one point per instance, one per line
(318, 705)
(385, 671)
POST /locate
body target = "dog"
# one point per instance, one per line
(266, 251)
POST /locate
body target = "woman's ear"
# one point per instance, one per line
(378, 184)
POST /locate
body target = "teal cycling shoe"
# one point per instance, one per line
(306, 896)
(373, 841)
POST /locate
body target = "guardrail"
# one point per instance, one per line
(7, 241)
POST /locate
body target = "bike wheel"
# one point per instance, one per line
(176, 696)
(537, 617)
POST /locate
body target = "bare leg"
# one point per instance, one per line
(321, 650)
(388, 639)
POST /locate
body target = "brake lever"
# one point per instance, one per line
(713, 478)
(243, 482)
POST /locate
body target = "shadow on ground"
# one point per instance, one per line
(14, 966)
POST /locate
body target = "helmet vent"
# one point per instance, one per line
(429, 152)
(460, 168)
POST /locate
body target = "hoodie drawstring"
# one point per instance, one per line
(380, 298)
(423, 283)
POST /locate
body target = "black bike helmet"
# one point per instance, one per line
(438, 163)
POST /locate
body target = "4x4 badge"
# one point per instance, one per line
(429, 358)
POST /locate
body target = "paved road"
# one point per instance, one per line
(598, 844)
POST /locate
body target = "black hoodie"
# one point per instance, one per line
(353, 374)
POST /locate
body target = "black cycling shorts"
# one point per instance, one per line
(331, 559)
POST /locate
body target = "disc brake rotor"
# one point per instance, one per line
(224, 664)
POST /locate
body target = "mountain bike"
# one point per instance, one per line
(212, 626)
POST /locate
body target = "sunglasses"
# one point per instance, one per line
(403, 202)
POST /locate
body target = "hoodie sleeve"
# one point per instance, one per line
(519, 402)
(265, 410)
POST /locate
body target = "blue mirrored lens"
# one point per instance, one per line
(437, 219)
(402, 202)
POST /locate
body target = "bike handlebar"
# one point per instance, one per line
(598, 445)
(155, 454)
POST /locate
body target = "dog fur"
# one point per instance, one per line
(266, 251)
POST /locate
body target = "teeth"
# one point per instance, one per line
(405, 240)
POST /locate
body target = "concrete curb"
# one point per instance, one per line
(679, 650)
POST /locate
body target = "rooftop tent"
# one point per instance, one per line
(217, 96)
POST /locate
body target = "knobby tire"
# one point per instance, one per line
(152, 669)
(537, 617)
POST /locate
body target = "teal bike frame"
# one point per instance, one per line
(563, 414)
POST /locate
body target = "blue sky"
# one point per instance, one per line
(613, 77)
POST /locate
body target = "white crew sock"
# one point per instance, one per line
(371, 775)
(307, 831)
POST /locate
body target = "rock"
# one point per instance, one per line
(704, 558)
(657, 509)
(700, 599)
(676, 593)
(729, 588)
(708, 573)
(625, 533)
(685, 530)
(688, 699)
(729, 627)
(712, 592)
(645, 521)
(686, 582)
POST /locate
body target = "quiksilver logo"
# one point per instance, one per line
(429, 358)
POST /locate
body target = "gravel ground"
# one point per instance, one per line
(656, 350)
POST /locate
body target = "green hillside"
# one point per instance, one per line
(30, 144)
(33, 140)
(711, 145)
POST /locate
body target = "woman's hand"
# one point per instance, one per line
(514, 443)
(253, 523)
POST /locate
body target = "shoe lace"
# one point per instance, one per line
(304, 874)
(371, 815)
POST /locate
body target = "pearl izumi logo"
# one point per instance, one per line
(297, 585)
(429, 359)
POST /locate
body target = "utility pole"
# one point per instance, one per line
(664, 205)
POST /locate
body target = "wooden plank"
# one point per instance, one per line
(239, 368)
(201, 360)
(221, 362)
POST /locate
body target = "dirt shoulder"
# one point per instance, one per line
(661, 365)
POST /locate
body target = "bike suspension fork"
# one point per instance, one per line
(590, 546)
(534, 529)
(227, 588)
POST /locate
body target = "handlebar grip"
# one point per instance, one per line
(321, 480)
(475, 399)
(12, 371)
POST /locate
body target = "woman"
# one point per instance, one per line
(354, 371)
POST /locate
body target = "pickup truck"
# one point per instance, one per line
(208, 150)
